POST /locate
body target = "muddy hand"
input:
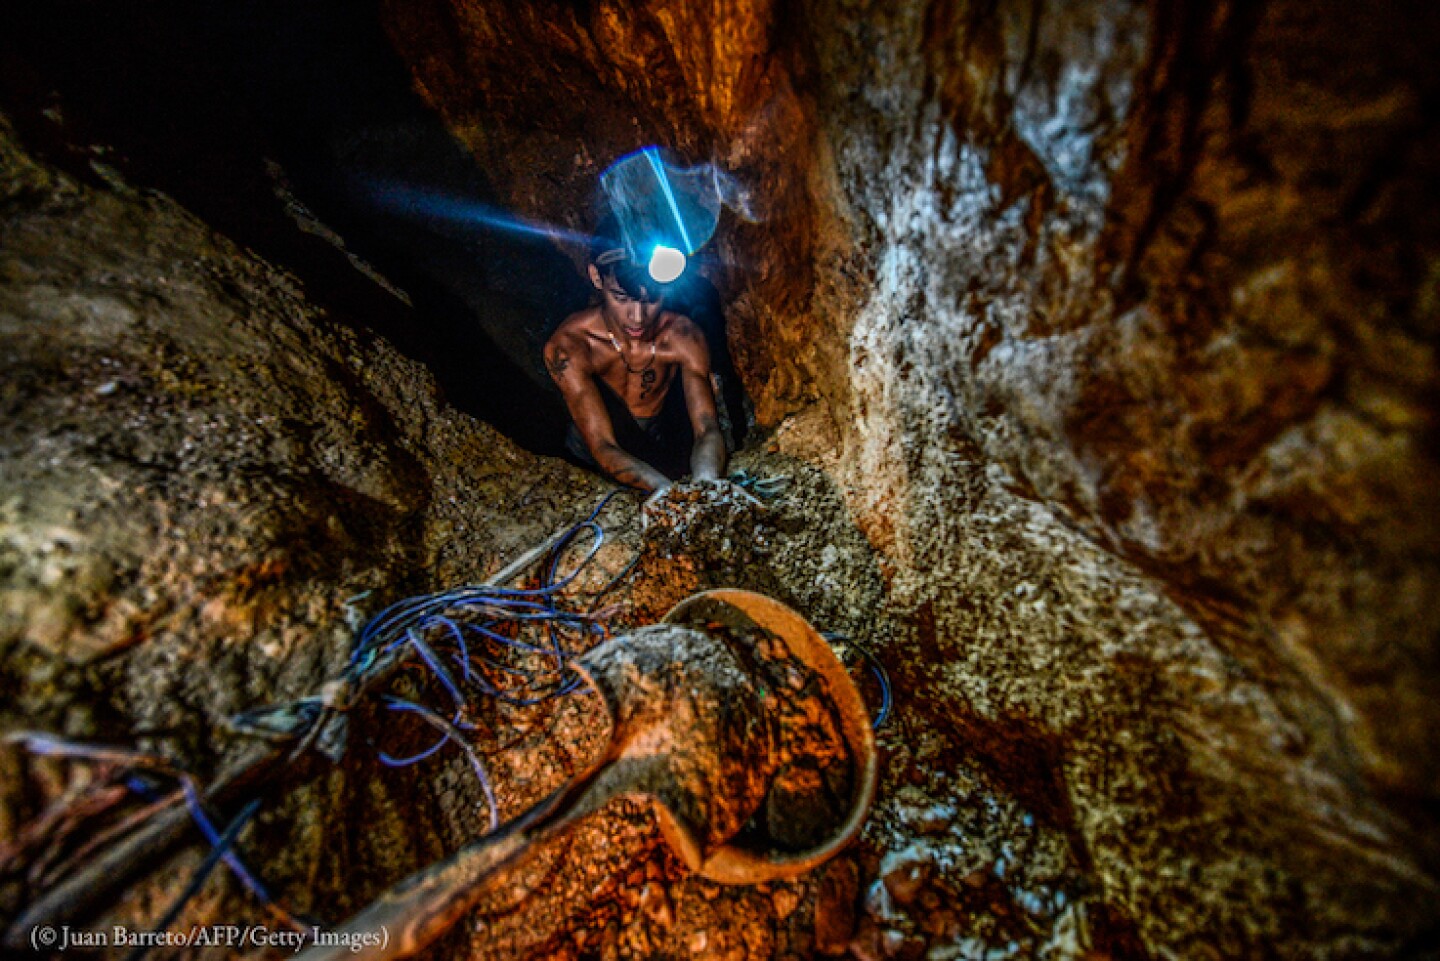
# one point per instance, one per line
(686, 496)
(724, 487)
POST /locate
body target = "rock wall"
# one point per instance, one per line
(1160, 278)
(1117, 322)
(204, 481)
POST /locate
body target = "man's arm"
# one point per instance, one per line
(569, 366)
(707, 457)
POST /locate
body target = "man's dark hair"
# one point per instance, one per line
(611, 256)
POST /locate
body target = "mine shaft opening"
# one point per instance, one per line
(297, 133)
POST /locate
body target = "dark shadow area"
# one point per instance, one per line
(696, 297)
(193, 100)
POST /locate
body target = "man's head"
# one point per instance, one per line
(628, 297)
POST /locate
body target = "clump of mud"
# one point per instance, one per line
(815, 771)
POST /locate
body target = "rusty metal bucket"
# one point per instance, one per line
(749, 859)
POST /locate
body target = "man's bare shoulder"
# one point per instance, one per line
(579, 326)
(684, 337)
(569, 346)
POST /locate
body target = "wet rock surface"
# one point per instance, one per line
(1144, 510)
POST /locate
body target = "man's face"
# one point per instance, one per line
(634, 315)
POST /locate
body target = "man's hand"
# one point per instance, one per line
(652, 503)
(724, 487)
(693, 493)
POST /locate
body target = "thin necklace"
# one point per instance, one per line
(647, 373)
(616, 344)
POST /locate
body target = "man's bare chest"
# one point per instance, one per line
(641, 386)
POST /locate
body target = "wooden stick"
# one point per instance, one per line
(80, 895)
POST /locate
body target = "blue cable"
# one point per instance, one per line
(202, 821)
(433, 662)
(220, 849)
(876, 668)
(460, 642)
(406, 621)
(389, 760)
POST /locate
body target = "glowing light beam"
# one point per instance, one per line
(657, 165)
(421, 202)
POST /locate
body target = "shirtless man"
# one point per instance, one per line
(618, 362)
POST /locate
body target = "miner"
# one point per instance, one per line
(636, 378)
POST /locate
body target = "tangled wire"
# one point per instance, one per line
(475, 642)
(473, 645)
(461, 638)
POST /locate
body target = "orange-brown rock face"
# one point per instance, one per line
(1163, 271)
(1124, 316)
